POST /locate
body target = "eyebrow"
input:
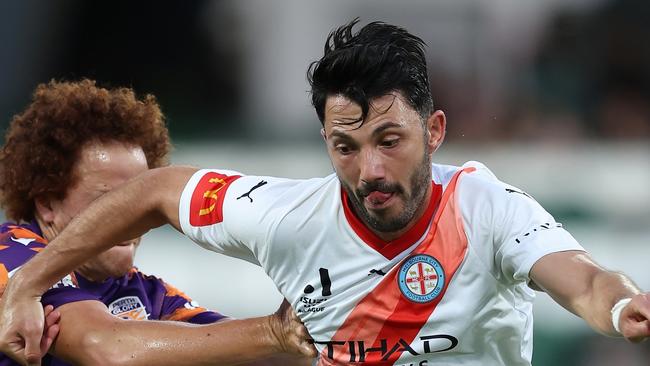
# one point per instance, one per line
(377, 131)
(385, 126)
(340, 135)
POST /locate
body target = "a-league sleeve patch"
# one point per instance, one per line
(206, 207)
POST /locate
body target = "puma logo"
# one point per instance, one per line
(377, 272)
(520, 192)
(248, 194)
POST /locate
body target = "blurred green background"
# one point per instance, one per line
(553, 96)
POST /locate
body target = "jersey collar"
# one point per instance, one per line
(390, 249)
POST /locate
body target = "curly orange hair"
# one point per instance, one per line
(43, 143)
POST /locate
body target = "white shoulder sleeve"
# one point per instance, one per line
(230, 213)
(507, 226)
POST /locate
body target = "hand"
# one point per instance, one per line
(291, 334)
(51, 329)
(22, 328)
(634, 322)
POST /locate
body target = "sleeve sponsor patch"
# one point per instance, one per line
(206, 206)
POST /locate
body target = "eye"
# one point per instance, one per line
(343, 149)
(389, 142)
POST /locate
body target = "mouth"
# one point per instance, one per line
(376, 200)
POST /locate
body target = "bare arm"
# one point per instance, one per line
(581, 286)
(90, 335)
(148, 201)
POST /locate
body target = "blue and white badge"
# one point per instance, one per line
(421, 278)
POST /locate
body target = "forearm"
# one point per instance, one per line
(148, 201)
(583, 287)
(165, 343)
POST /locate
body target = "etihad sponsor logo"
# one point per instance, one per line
(359, 351)
(129, 307)
(206, 206)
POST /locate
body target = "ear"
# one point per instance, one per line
(322, 133)
(44, 209)
(436, 126)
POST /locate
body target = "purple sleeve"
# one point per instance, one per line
(176, 306)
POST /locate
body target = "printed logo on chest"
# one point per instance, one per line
(129, 307)
(421, 278)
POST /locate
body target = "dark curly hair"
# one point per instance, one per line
(380, 58)
(43, 143)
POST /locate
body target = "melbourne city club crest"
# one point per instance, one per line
(421, 278)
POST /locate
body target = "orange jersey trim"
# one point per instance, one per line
(4, 278)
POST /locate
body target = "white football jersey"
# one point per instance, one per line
(452, 290)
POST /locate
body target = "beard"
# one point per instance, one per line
(419, 182)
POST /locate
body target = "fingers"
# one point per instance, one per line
(635, 322)
(33, 348)
(306, 344)
(48, 338)
(51, 329)
(301, 337)
(51, 317)
(308, 350)
(47, 310)
(295, 338)
(636, 331)
(32, 333)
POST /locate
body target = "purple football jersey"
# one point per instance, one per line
(133, 296)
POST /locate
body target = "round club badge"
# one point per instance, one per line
(421, 278)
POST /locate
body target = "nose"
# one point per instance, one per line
(371, 166)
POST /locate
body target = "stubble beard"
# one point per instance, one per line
(420, 181)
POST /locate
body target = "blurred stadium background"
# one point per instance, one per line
(554, 96)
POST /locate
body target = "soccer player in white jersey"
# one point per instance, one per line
(391, 260)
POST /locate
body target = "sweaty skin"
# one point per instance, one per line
(91, 335)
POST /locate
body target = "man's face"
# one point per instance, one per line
(383, 165)
(101, 168)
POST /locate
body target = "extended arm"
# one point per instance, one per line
(90, 335)
(143, 203)
(148, 201)
(583, 287)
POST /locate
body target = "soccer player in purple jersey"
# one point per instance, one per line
(75, 142)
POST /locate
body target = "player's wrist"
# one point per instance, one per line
(20, 287)
(616, 313)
